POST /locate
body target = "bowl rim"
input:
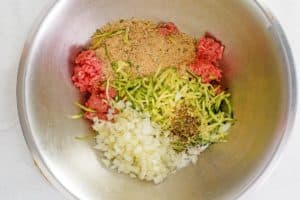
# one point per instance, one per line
(253, 183)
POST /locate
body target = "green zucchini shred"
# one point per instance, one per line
(160, 94)
(76, 116)
(99, 37)
(84, 108)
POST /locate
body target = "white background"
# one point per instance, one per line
(20, 179)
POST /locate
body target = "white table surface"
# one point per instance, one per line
(20, 179)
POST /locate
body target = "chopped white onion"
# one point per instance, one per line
(133, 145)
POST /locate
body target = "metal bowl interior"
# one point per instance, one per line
(258, 70)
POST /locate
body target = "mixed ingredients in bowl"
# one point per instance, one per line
(153, 95)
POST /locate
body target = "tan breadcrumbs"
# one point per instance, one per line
(146, 49)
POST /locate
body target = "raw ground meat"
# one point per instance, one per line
(210, 50)
(88, 71)
(167, 28)
(88, 77)
(207, 71)
(208, 57)
(98, 102)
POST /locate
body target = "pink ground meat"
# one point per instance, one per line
(167, 28)
(208, 57)
(88, 78)
(207, 71)
(88, 71)
(98, 102)
(210, 50)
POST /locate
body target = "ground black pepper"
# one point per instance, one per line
(184, 125)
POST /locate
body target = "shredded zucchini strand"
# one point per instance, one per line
(160, 95)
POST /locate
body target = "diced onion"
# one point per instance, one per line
(133, 145)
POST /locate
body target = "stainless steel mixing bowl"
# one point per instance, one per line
(258, 70)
